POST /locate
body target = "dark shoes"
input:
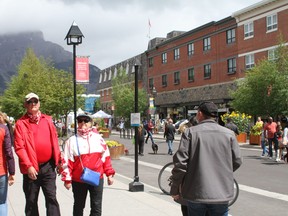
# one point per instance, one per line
(170, 152)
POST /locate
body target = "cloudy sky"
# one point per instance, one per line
(114, 30)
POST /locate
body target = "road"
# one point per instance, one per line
(262, 182)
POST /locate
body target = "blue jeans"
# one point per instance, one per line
(263, 147)
(149, 135)
(200, 209)
(170, 145)
(3, 195)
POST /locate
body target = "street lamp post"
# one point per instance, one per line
(74, 37)
(136, 186)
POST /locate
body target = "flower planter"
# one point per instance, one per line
(242, 138)
(116, 151)
(255, 139)
(105, 134)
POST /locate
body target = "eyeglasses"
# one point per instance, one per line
(86, 120)
(32, 101)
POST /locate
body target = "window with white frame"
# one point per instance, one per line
(127, 68)
(231, 63)
(164, 58)
(249, 30)
(191, 74)
(110, 75)
(164, 80)
(207, 71)
(206, 43)
(115, 72)
(272, 22)
(177, 78)
(249, 61)
(105, 76)
(100, 78)
(176, 53)
(230, 36)
(190, 49)
(272, 55)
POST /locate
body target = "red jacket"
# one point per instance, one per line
(25, 146)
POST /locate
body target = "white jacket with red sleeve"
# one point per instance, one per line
(94, 153)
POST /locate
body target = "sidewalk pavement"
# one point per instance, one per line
(117, 200)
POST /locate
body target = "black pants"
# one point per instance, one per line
(46, 179)
(80, 191)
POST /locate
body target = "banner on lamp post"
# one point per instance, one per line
(82, 69)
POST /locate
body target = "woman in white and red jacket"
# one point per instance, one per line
(95, 156)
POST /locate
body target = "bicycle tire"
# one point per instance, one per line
(236, 193)
(164, 178)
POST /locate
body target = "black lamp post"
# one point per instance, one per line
(74, 37)
(136, 186)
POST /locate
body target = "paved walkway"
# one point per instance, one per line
(117, 201)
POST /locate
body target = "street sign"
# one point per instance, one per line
(135, 119)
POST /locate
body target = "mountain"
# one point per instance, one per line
(13, 48)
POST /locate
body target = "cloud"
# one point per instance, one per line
(114, 30)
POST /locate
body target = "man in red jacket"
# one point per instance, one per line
(36, 144)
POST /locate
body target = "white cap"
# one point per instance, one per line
(30, 96)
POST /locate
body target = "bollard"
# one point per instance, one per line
(128, 133)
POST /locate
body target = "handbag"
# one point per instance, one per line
(88, 176)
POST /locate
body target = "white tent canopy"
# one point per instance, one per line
(101, 114)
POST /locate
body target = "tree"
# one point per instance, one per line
(123, 95)
(264, 90)
(54, 87)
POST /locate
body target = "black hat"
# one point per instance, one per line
(208, 108)
(83, 115)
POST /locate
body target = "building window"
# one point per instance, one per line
(206, 44)
(151, 83)
(164, 80)
(271, 22)
(249, 61)
(230, 36)
(249, 30)
(231, 63)
(207, 71)
(190, 49)
(177, 78)
(272, 55)
(110, 74)
(190, 74)
(176, 54)
(150, 62)
(164, 58)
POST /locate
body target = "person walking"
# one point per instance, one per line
(169, 134)
(230, 124)
(7, 167)
(86, 149)
(141, 136)
(204, 163)
(270, 134)
(36, 145)
(149, 128)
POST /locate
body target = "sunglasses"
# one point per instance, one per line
(86, 120)
(32, 102)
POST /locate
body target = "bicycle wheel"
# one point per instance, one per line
(236, 193)
(164, 178)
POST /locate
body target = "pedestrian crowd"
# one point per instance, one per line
(204, 162)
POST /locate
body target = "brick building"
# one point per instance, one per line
(187, 68)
